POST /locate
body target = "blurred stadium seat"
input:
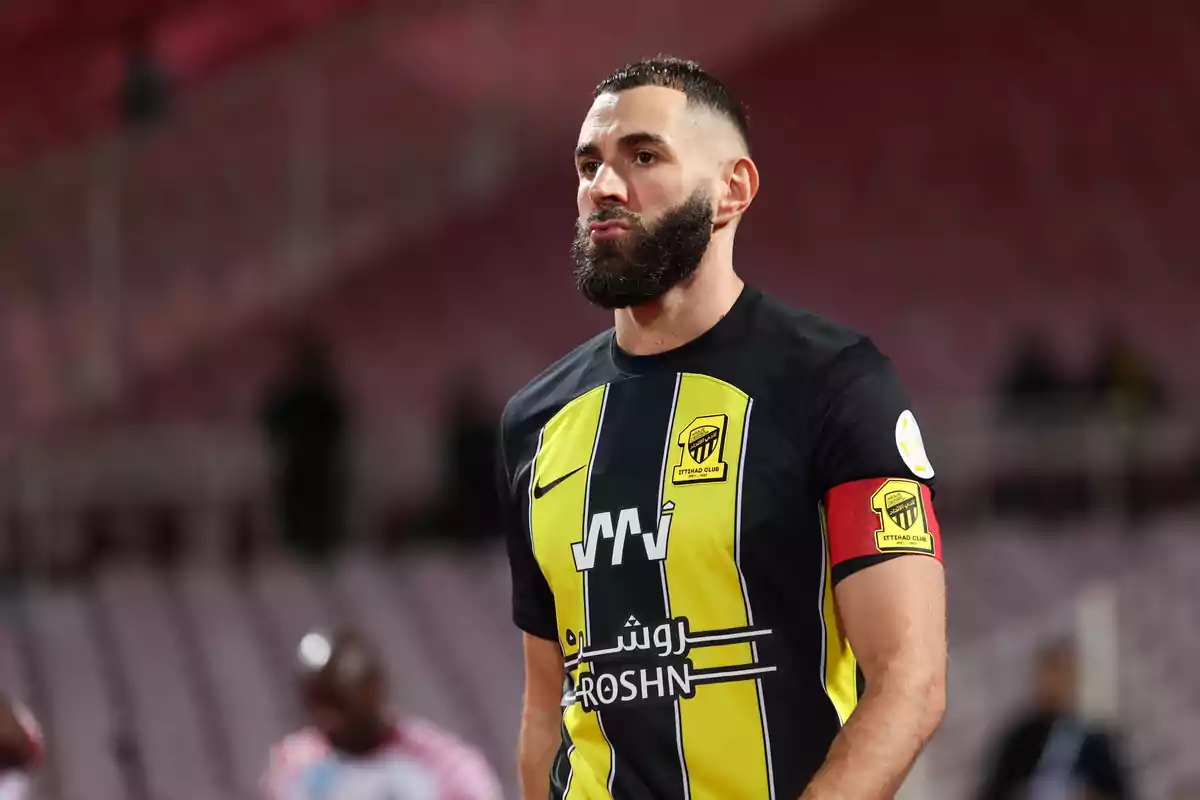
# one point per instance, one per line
(435, 615)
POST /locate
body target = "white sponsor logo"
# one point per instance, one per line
(631, 685)
(616, 674)
(911, 446)
(628, 524)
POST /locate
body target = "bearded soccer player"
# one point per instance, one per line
(724, 553)
(355, 748)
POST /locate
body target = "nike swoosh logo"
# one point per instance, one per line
(541, 491)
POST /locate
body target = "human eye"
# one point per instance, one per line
(645, 157)
(588, 167)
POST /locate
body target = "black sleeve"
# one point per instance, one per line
(1101, 769)
(532, 600)
(1003, 774)
(865, 428)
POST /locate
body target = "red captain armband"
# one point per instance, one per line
(881, 516)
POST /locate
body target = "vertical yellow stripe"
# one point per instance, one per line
(557, 520)
(841, 668)
(721, 726)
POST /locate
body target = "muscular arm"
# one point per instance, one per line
(541, 716)
(894, 615)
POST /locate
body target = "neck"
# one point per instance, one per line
(685, 312)
(376, 735)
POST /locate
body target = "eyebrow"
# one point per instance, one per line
(628, 141)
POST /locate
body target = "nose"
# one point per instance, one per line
(607, 187)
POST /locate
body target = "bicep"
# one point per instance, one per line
(544, 674)
(894, 615)
(541, 715)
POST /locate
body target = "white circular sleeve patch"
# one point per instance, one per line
(911, 446)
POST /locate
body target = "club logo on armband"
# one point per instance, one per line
(702, 446)
(902, 508)
(904, 524)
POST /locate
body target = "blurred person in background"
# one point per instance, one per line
(468, 507)
(145, 91)
(667, 533)
(1050, 752)
(1123, 383)
(356, 747)
(1034, 389)
(305, 421)
(1036, 397)
(21, 750)
(1128, 395)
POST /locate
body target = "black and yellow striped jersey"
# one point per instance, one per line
(667, 529)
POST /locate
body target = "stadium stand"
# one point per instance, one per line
(435, 615)
(1044, 184)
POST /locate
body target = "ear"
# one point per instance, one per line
(740, 185)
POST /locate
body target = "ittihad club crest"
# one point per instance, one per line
(701, 451)
(902, 508)
(702, 442)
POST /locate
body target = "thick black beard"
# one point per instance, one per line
(615, 275)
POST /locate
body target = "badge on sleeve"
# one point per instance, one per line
(903, 523)
(880, 516)
(911, 446)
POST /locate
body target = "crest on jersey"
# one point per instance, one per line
(701, 447)
(702, 442)
(903, 521)
(902, 508)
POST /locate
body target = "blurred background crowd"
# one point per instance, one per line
(268, 272)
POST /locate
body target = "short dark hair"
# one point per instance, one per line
(701, 88)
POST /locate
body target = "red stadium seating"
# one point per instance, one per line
(962, 218)
(940, 186)
(61, 62)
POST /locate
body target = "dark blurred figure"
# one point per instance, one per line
(356, 747)
(145, 88)
(1050, 753)
(1126, 394)
(1036, 396)
(305, 421)
(468, 508)
(1034, 387)
(21, 750)
(1123, 383)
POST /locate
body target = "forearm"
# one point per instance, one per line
(540, 739)
(876, 749)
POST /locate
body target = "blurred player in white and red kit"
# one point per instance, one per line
(355, 749)
(21, 750)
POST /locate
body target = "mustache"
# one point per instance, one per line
(610, 214)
